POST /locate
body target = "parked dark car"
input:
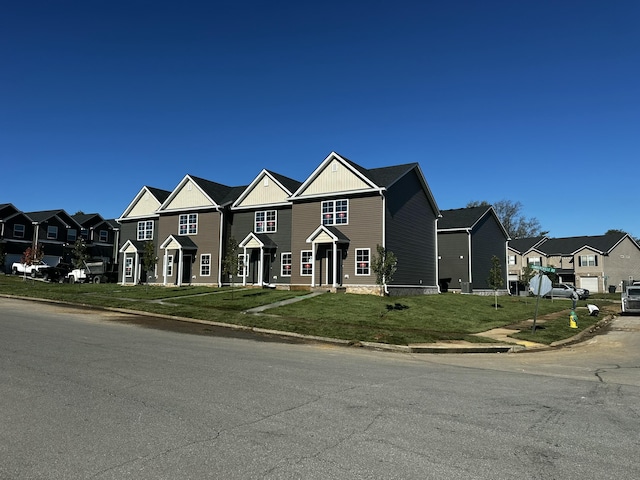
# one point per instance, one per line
(58, 273)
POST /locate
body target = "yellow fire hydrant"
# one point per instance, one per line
(573, 320)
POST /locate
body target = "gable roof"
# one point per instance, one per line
(570, 245)
(285, 184)
(217, 193)
(377, 179)
(461, 218)
(522, 245)
(82, 218)
(7, 210)
(158, 194)
(46, 215)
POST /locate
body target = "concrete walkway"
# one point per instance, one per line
(262, 308)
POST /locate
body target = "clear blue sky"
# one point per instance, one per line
(530, 101)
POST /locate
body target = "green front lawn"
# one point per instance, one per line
(396, 320)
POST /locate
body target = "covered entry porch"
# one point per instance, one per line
(185, 250)
(258, 252)
(328, 251)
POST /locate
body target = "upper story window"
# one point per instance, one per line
(188, 224)
(588, 260)
(266, 222)
(84, 233)
(335, 212)
(534, 261)
(104, 235)
(18, 231)
(512, 259)
(145, 230)
(72, 235)
(52, 232)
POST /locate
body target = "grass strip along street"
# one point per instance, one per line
(357, 318)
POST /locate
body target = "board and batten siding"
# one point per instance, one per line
(411, 232)
(364, 230)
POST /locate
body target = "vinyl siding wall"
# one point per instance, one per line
(411, 233)
(207, 240)
(243, 224)
(487, 240)
(364, 230)
(453, 258)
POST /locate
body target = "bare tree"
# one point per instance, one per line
(512, 219)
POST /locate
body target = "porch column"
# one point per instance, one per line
(244, 266)
(136, 269)
(335, 264)
(313, 264)
(180, 267)
(164, 268)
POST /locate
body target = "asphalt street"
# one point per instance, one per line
(87, 395)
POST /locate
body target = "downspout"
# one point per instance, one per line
(384, 234)
(469, 259)
(220, 248)
(436, 256)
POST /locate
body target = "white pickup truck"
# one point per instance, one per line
(33, 270)
(631, 299)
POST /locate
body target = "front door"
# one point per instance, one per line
(186, 269)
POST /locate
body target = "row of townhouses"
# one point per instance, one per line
(322, 232)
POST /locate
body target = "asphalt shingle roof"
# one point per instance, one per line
(461, 217)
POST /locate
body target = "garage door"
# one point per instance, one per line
(590, 283)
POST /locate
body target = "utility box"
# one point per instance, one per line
(466, 287)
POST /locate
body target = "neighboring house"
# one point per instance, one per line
(192, 227)
(516, 260)
(592, 262)
(343, 211)
(468, 239)
(100, 235)
(14, 241)
(54, 231)
(261, 224)
(138, 224)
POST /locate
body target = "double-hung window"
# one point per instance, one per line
(145, 230)
(52, 232)
(84, 233)
(188, 224)
(285, 269)
(512, 259)
(534, 261)
(128, 267)
(266, 221)
(72, 235)
(588, 260)
(205, 264)
(363, 261)
(306, 267)
(18, 231)
(243, 271)
(169, 270)
(104, 235)
(335, 212)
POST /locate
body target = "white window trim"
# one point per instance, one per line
(188, 215)
(264, 229)
(282, 264)
(169, 271)
(17, 231)
(145, 230)
(105, 234)
(202, 264)
(72, 237)
(243, 265)
(303, 262)
(334, 213)
(368, 263)
(128, 267)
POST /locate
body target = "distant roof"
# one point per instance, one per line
(522, 245)
(569, 245)
(44, 215)
(461, 217)
(219, 193)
